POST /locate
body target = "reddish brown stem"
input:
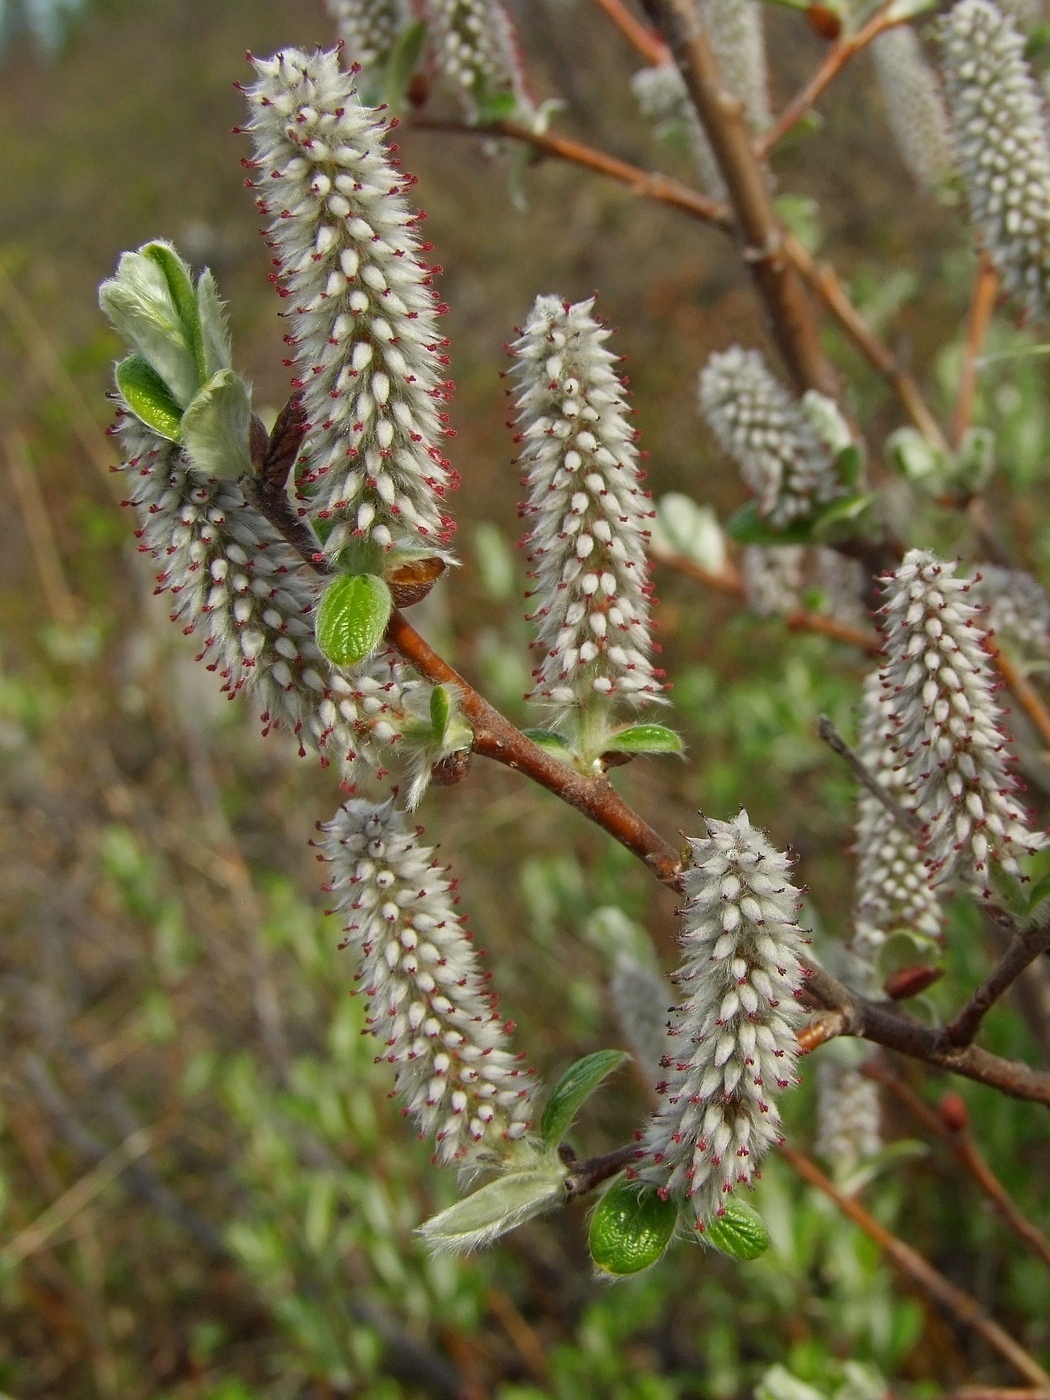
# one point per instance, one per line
(966, 1152)
(584, 1176)
(1023, 949)
(962, 1306)
(835, 60)
(651, 47)
(985, 292)
(495, 737)
(777, 281)
(824, 281)
(648, 184)
(885, 1024)
(1023, 691)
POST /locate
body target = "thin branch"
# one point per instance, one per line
(778, 282)
(835, 60)
(662, 189)
(1023, 691)
(1024, 948)
(966, 1152)
(649, 45)
(962, 1306)
(648, 184)
(496, 738)
(906, 820)
(884, 1024)
(729, 580)
(822, 278)
(985, 292)
(585, 1175)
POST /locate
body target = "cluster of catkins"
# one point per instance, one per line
(368, 362)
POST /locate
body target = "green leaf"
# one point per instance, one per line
(550, 741)
(849, 464)
(216, 351)
(216, 425)
(683, 527)
(180, 285)
(844, 519)
(631, 1228)
(495, 107)
(440, 713)
(577, 1084)
(497, 1207)
(403, 62)
(739, 1231)
(140, 305)
(352, 617)
(1039, 891)
(644, 738)
(146, 394)
(746, 526)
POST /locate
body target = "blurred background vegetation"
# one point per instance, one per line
(205, 1192)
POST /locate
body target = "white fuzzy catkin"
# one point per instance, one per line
(948, 739)
(849, 1127)
(428, 1005)
(1000, 143)
(778, 578)
(768, 434)
(476, 49)
(914, 104)
(1018, 607)
(737, 40)
(736, 1032)
(661, 94)
(642, 1001)
(586, 510)
(241, 588)
(894, 889)
(370, 29)
(368, 354)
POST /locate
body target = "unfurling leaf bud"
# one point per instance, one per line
(631, 1228)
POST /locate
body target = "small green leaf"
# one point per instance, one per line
(216, 427)
(849, 464)
(352, 617)
(746, 526)
(139, 303)
(495, 107)
(440, 713)
(683, 527)
(550, 741)
(644, 738)
(146, 394)
(216, 352)
(844, 519)
(631, 1228)
(180, 284)
(577, 1084)
(497, 1207)
(1039, 891)
(739, 1231)
(403, 62)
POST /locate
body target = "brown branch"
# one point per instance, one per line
(1024, 948)
(884, 1024)
(961, 1144)
(496, 738)
(961, 1305)
(824, 281)
(835, 60)
(994, 1392)
(985, 292)
(585, 1175)
(779, 285)
(651, 47)
(1023, 691)
(907, 821)
(648, 184)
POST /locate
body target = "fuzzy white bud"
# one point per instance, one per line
(1000, 144)
(428, 1006)
(370, 29)
(735, 1042)
(1018, 607)
(476, 49)
(768, 434)
(947, 727)
(914, 104)
(587, 512)
(368, 355)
